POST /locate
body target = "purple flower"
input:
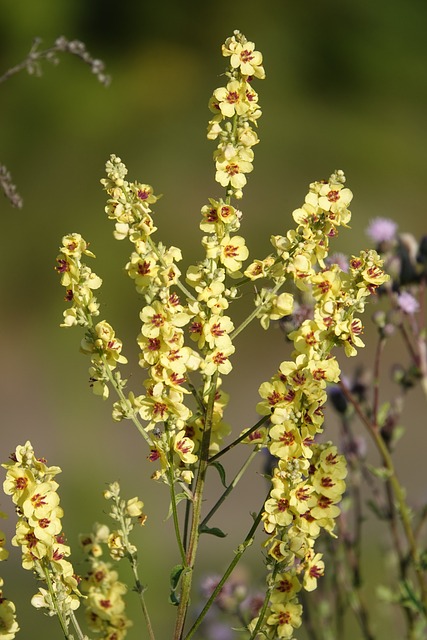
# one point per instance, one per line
(408, 303)
(340, 259)
(381, 230)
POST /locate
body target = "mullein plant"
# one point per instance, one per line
(187, 343)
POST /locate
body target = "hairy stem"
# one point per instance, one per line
(190, 558)
(238, 554)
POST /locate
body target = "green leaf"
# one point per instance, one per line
(409, 597)
(175, 577)
(178, 498)
(379, 472)
(383, 413)
(173, 599)
(386, 594)
(221, 472)
(213, 531)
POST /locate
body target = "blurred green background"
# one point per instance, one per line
(346, 88)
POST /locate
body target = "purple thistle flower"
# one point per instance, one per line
(338, 258)
(381, 230)
(408, 303)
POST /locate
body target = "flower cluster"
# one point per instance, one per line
(8, 624)
(163, 351)
(308, 481)
(100, 341)
(104, 604)
(105, 607)
(39, 531)
(236, 108)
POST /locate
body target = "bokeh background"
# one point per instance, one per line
(346, 88)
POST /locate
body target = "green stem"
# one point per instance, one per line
(239, 439)
(74, 622)
(187, 575)
(175, 511)
(375, 403)
(255, 313)
(131, 555)
(264, 607)
(238, 554)
(179, 284)
(140, 590)
(123, 398)
(230, 487)
(59, 612)
(398, 491)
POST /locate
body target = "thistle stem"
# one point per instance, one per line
(398, 491)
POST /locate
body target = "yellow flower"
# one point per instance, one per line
(48, 526)
(277, 512)
(328, 485)
(8, 624)
(18, 483)
(231, 171)
(216, 331)
(286, 586)
(325, 508)
(42, 499)
(231, 99)
(259, 268)
(233, 252)
(244, 57)
(184, 446)
(285, 617)
(218, 360)
(134, 507)
(285, 440)
(314, 569)
(334, 197)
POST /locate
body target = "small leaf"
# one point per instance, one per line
(409, 597)
(178, 498)
(383, 413)
(213, 531)
(386, 594)
(221, 472)
(379, 472)
(173, 599)
(176, 575)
